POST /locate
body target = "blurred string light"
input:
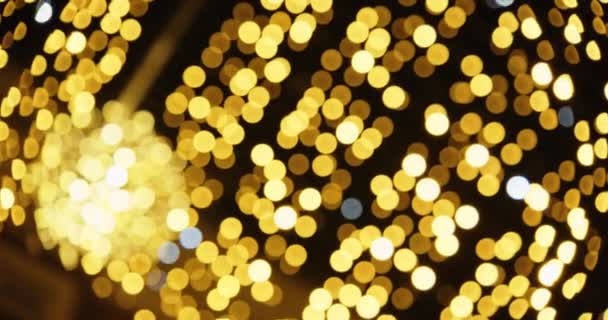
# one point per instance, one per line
(44, 11)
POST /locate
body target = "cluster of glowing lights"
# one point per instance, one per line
(110, 193)
(120, 192)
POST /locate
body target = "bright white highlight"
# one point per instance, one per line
(44, 12)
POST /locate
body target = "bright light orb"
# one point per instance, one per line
(113, 189)
(428, 189)
(44, 12)
(517, 187)
(423, 278)
(477, 155)
(190, 238)
(437, 124)
(285, 217)
(382, 249)
(259, 270)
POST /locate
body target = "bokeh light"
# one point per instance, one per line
(347, 145)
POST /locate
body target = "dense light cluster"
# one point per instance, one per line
(111, 191)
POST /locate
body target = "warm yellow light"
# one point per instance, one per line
(259, 270)
(347, 132)
(427, 189)
(437, 124)
(7, 198)
(425, 35)
(443, 226)
(542, 74)
(177, 220)
(414, 165)
(539, 298)
(530, 28)
(486, 274)
(423, 278)
(477, 155)
(76, 42)
(461, 306)
(310, 199)
(537, 197)
(362, 61)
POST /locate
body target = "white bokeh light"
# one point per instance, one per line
(44, 12)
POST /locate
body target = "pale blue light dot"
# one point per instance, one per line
(190, 238)
(351, 208)
(504, 3)
(517, 187)
(566, 117)
(168, 253)
(495, 4)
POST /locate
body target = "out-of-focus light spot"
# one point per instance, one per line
(550, 272)
(156, 279)
(461, 306)
(190, 238)
(504, 3)
(566, 117)
(117, 176)
(111, 134)
(347, 132)
(563, 88)
(168, 253)
(414, 165)
(259, 270)
(423, 278)
(79, 190)
(537, 197)
(177, 219)
(382, 249)
(542, 74)
(7, 198)
(517, 187)
(427, 189)
(496, 4)
(437, 124)
(467, 217)
(477, 155)
(351, 208)
(285, 217)
(44, 11)
(530, 28)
